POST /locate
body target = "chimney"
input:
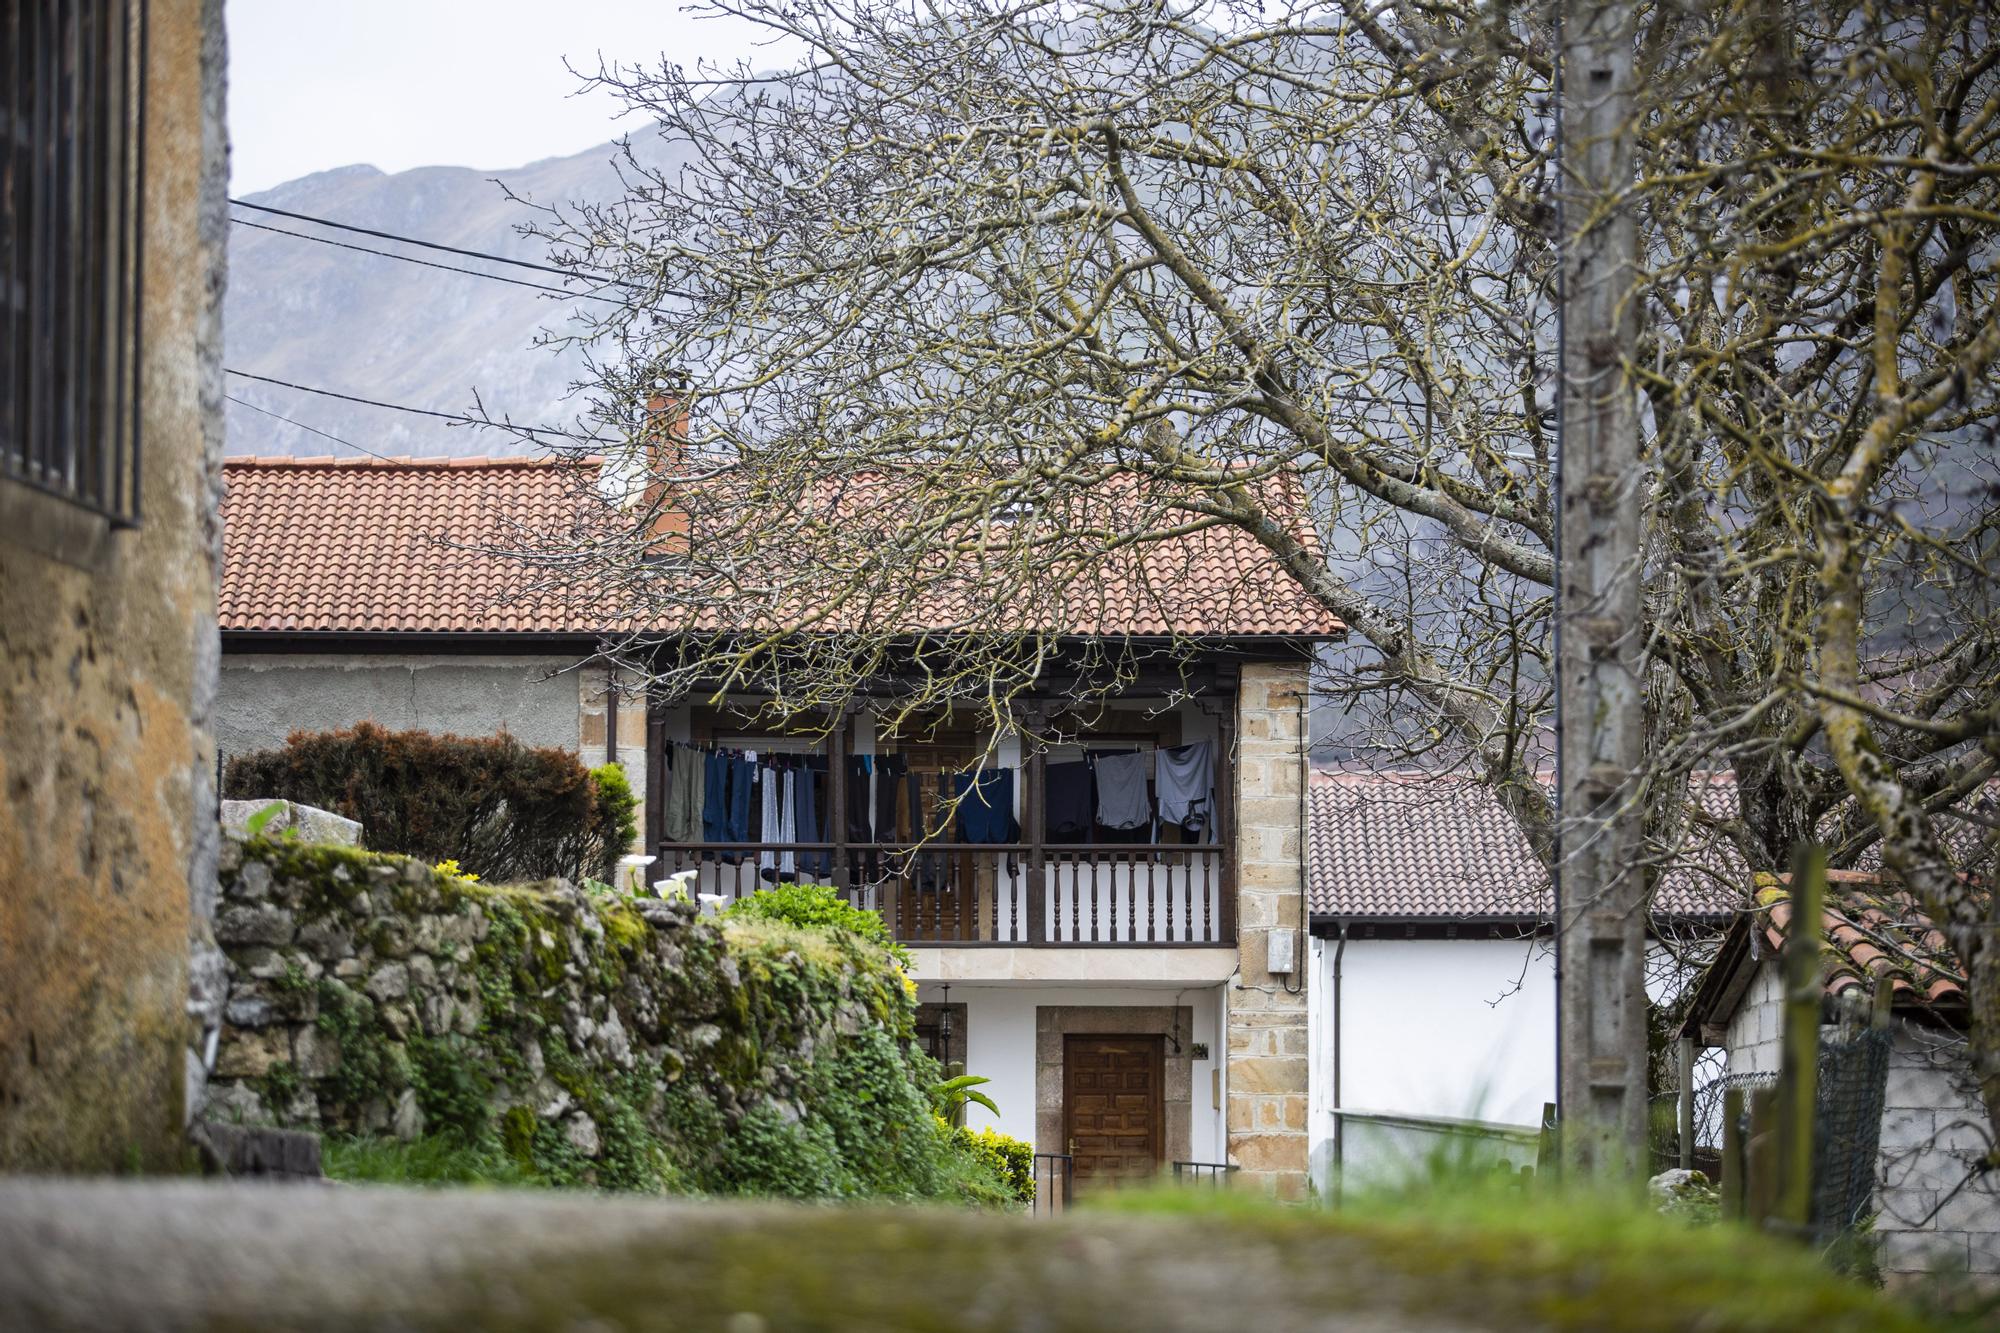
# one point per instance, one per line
(665, 439)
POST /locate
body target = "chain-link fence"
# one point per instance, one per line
(1847, 1127)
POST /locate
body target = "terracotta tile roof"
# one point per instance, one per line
(1440, 847)
(1871, 927)
(320, 545)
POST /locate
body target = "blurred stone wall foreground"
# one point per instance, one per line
(108, 660)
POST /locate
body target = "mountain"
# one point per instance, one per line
(314, 314)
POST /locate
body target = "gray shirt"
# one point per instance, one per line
(1186, 778)
(1122, 798)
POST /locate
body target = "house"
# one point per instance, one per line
(1133, 987)
(1432, 970)
(112, 202)
(1933, 1212)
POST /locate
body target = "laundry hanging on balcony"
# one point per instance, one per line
(1185, 777)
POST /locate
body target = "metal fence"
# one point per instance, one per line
(72, 92)
(1211, 1174)
(1055, 1184)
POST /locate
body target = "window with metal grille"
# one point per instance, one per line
(72, 93)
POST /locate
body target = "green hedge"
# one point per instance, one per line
(502, 810)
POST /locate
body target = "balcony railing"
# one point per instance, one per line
(991, 893)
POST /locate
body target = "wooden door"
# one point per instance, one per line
(1114, 1107)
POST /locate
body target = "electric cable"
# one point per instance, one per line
(245, 402)
(431, 263)
(529, 431)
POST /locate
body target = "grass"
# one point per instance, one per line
(425, 1161)
(1569, 1259)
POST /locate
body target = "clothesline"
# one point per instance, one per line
(1126, 793)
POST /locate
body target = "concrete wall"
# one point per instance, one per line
(1931, 1215)
(267, 696)
(1267, 1079)
(539, 700)
(1756, 1031)
(999, 1040)
(108, 652)
(1456, 1029)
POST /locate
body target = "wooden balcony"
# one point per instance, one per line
(1002, 894)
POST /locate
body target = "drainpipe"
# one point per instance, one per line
(1339, 1123)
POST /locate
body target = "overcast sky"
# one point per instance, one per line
(411, 83)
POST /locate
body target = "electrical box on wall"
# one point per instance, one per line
(1281, 951)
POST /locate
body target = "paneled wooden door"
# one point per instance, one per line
(1114, 1107)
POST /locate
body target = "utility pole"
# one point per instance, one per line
(1602, 900)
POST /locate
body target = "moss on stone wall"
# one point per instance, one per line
(543, 1033)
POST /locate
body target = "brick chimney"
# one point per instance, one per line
(665, 438)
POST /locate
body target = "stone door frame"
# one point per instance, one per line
(1054, 1022)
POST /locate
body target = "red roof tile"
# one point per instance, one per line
(1440, 847)
(323, 544)
(350, 545)
(1871, 927)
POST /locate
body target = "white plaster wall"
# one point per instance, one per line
(999, 1043)
(1462, 1029)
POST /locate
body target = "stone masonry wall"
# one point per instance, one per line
(609, 1041)
(1267, 1023)
(594, 730)
(108, 649)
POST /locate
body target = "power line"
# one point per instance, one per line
(245, 402)
(529, 431)
(435, 245)
(431, 263)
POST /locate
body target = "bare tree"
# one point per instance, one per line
(980, 311)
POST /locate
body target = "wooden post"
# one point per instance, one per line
(1885, 1003)
(1733, 1163)
(1230, 682)
(1686, 1071)
(1760, 1159)
(1601, 907)
(836, 801)
(1798, 1075)
(1035, 807)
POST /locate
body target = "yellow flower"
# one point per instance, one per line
(450, 867)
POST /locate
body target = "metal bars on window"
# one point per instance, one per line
(72, 147)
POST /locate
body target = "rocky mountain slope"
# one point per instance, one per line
(360, 324)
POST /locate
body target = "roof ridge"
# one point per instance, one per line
(406, 462)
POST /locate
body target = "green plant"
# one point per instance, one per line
(254, 826)
(432, 1160)
(500, 809)
(821, 907)
(1010, 1160)
(951, 1096)
(617, 809)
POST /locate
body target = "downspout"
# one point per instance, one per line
(1339, 1123)
(1304, 928)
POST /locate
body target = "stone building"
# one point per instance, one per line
(1933, 1209)
(1130, 979)
(112, 235)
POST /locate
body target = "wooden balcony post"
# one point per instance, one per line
(1034, 807)
(1229, 682)
(836, 797)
